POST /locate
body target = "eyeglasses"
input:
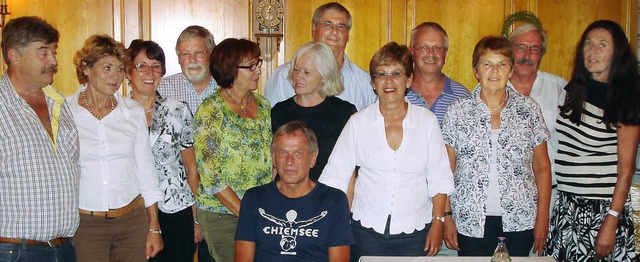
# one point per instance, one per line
(252, 67)
(197, 54)
(521, 48)
(143, 68)
(383, 75)
(426, 48)
(328, 25)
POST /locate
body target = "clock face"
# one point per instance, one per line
(269, 14)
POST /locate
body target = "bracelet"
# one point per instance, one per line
(613, 213)
(158, 231)
(448, 213)
(195, 221)
(441, 219)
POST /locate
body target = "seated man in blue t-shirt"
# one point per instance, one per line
(293, 218)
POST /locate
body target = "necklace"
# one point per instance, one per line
(84, 97)
(501, 104)
(243, 107)
(149, 111)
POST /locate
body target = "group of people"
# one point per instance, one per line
(332, 163)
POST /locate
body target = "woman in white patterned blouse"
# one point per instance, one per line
(171, 138)
(496, 140)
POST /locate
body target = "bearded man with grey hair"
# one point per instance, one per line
(195, 83)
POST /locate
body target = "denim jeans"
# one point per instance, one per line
(36, 253)
(372, 243)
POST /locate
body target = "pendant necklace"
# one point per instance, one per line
(84, 97)
(243, 107)
(501, 104)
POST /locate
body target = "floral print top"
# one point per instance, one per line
(231, 151)
(170, 133)
(466, 128)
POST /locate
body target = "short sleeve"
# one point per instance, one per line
(247, 220)
(538, 127)
(341, 234)
(186, 134)
(448, 126)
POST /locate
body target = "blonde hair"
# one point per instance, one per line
(95, 48)
(325, 63)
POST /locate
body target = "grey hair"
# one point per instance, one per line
(429, 25)
(526, 28)
(290, 128)
(325, 63)
(333, 5)
(196, 31)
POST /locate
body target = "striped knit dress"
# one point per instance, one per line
(586, 169)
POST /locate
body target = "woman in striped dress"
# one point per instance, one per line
(598, 132)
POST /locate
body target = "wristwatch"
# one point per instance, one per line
(439, 218)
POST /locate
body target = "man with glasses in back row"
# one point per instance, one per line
(330, 25)
(431, 88)
(529, 45)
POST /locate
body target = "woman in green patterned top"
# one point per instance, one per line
(232, 138)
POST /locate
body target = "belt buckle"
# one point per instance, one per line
(50, 244)
(106, 216)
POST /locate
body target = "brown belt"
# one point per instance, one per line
(118, 212)
(52, 243)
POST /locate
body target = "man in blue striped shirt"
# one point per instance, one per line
(430, 87)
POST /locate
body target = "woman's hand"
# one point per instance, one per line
(540, 231)
(197, 234)
(434, 238)
(154, 244)
(606, 239)
(450, 233)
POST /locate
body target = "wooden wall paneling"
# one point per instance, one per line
(297, 27)
(224, 18)
(398, 14)
(630, 17)
(565, 21)
(369, 31)
(466, 22)
(76, 20)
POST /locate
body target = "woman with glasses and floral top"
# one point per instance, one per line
(232, 138)
(404, 176)
(171, 138)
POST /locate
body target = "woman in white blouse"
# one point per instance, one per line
(404, 179)
(496, 141)
(118, 183)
